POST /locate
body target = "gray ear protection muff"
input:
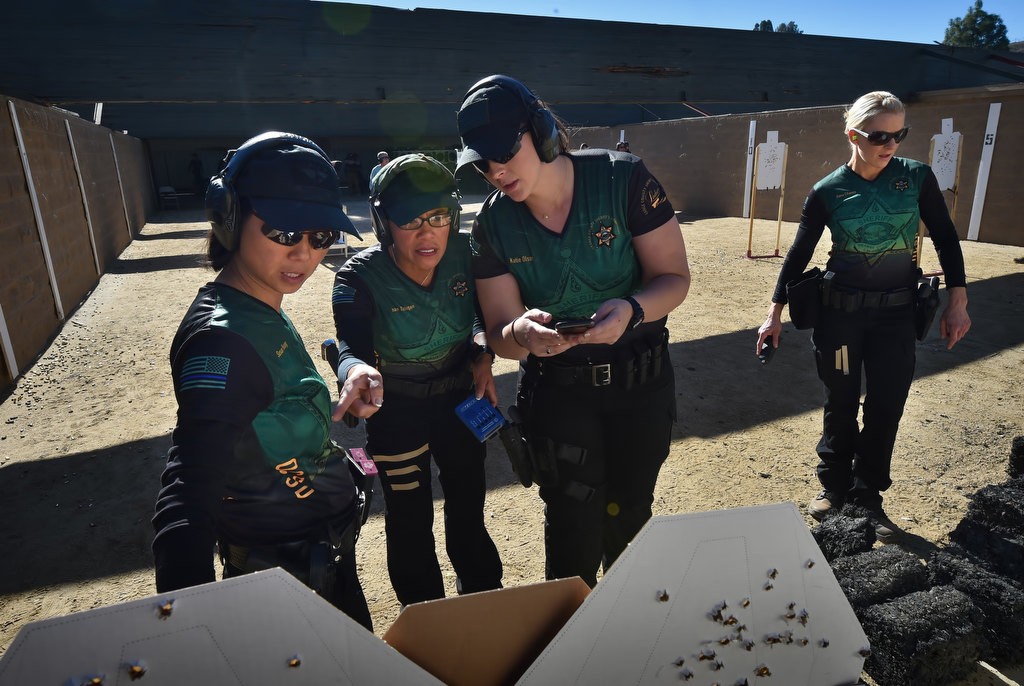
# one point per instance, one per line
(391, 171)
(222, 204)
(543, 127)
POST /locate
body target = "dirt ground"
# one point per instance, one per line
(85, 431)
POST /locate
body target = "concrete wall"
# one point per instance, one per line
(52, 258)
(702, 162)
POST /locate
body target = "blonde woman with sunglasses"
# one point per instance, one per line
(872, 206)
(252, 470)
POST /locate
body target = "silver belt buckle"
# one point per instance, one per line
(601, 375)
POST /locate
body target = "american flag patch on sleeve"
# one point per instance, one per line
(207, 371)
(342, 294)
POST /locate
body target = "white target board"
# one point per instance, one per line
(728, 597)
(770, 158)
(945, 155)
(260, 629)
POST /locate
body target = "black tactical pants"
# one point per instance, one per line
(402, 437)
(607, 444)
(878, 346)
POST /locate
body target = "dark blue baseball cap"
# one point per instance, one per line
(490, 120)
(293, 188)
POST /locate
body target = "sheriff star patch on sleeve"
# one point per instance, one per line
(651, 196)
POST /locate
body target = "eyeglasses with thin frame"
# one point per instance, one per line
(483, 165)
(318, 240)
(883, 137)
(437, 221)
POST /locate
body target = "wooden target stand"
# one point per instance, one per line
(944, 158)
(769, 173)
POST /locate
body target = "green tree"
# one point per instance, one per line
(977, 29)
(783, 27)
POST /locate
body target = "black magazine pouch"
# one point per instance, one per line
(804, 296)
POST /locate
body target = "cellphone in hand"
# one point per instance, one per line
(573, 326)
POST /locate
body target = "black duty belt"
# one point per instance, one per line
(852, 300)
(644, 365)
(428, 387)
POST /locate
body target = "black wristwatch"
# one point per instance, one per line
(638, 313)
(476, 350)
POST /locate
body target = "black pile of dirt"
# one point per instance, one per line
(927, 638)
(1000, 600)
(879, 575)
(1016, 466)
(840, 535)
(928, 624)
(993, 528)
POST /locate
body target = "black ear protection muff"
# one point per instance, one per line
(543, 126)
(391, 171)
(222, 205)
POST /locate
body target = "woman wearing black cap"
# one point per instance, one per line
(252, 468)
(406, 315)
(589, 235)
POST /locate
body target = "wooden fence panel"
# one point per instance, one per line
(33, 294)
(60, 202)
(29, 308)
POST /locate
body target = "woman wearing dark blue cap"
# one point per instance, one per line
(252, 469)
(589, 235)
(412, 345)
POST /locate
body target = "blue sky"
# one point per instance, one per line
(875, 19)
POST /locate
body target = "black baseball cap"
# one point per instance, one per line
(490, 119)
(293, 188)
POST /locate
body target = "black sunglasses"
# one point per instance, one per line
(318, 240)
(482, 165)
(883, 137)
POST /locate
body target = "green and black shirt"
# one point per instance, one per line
(404, 329)
(570, 274)
(874, 227)
(251, 460)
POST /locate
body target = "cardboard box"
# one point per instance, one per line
(489, 638)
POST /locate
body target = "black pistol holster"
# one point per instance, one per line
(804, 297)
(514, 440)
(312, 561)
(925, 305)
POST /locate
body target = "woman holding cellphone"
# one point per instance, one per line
(588, 235)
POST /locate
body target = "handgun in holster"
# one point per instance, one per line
(340, 536)
(330, 353)
(514, 440)
(925, 306)
(364, 473)
(827, 279)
